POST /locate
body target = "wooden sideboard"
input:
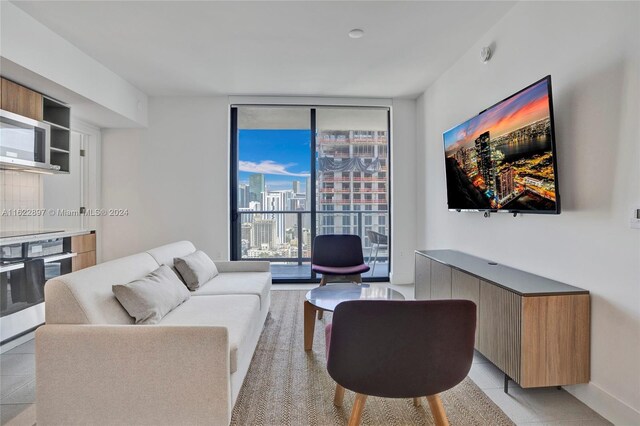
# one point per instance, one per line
(534, 329)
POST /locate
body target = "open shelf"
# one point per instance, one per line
(56, 113)
(55, 126)
(59, 150)
(60, 158)
(60, 139)
(58, 116)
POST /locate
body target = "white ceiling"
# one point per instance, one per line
(272, 48)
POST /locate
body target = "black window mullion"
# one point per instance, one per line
(312, 181)
(236, 245)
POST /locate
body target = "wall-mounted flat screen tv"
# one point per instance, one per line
(504, 159)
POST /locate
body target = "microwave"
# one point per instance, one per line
(24, 143)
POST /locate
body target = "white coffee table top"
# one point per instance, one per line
(327, 297)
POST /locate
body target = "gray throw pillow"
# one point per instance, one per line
(195, 269)
(150, 298)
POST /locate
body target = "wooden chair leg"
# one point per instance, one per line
(439, 415)
(309, 325)
(323, 281)
(339, 396)
(416, 402)
(356, 412)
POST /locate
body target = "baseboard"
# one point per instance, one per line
(399, 279)
(605, 404)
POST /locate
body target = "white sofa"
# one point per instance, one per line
(95, 366)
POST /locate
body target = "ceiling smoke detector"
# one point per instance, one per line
(356, 33)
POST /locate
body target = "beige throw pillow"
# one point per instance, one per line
(150, 298)
(195, 269)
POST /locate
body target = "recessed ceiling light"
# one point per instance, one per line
(356, 33)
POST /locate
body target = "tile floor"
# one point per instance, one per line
(18, 385)
(547, 406)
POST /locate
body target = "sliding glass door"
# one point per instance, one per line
(298, 172)
(352, 179)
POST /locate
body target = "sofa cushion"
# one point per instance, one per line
(258, 283)
(85, 296)
(195, 269)
(164, 255)
(150, 298)
(239, 313)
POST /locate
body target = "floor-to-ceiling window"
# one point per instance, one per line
(298, 172)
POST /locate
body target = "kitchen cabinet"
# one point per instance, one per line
(20, 100)
(85, 248)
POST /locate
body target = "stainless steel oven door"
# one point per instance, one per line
(22, 292)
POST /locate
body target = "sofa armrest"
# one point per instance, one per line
(132, 374)
(243, 266)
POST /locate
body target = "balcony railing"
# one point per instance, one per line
(356, 201)
(276, 242)
(343, 141)
(354, 179)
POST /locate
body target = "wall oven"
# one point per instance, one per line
(24, 268)
(25, 143)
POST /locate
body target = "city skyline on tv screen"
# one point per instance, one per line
(502, 159)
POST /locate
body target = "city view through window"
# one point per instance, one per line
(275, 195)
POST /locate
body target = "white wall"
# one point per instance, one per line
(173, 177)
(592, 52)
(29, 44)
(403, 190)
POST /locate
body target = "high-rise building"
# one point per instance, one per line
(505, 183)
(256, 187)
(243, 195)
(264, 233)
(483, 159)
(352, 177)
(245, 233)
(279, 201)
(296, 187)
(463, 157)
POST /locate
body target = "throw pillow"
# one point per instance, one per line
(195, 269)
(150, 298)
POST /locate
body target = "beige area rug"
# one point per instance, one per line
(287, 386)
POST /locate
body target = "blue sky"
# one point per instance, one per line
(281, 155)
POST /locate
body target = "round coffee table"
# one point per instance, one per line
(327, 297)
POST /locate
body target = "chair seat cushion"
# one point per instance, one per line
(345, 270)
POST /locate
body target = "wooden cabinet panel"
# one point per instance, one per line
(83, 243)
(20, 100)
(440, 281)
(500, 320)
(83, 260)
(555, 340)
(537, 331)
(422, 279)
(467, 287)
